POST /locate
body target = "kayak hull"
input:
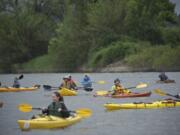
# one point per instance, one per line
(67, 92)
(21, 89)
(131, 95)
(166, 81)
(152, 105)
(48, 122)
(124, 95)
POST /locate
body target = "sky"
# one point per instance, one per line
(177, 8)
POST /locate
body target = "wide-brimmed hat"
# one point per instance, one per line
(66, 77)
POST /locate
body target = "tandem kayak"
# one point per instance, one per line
(48, 122)
(67, 92)
(142, 105)
(124, 95)
(12, 89)
(166, 81)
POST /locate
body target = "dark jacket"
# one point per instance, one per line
(163, 77)
(53, 109)
(16, 83)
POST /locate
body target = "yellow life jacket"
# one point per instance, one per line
(119, 89)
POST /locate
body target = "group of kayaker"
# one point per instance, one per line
(58, 108)
(69, 83)
(117, 88)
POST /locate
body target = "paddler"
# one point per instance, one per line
(57, 107)
(86, 82)
(117, 88)
(72, 83)
(65, 83)
(163, 76)
(16, 83)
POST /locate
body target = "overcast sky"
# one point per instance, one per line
(177, 8)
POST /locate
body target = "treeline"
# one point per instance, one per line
(68, 35)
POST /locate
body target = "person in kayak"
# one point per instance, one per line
(117, 88)
(72, 83)
(65, 83)
(163, 76)
(16, 83)
(86, 82)
(57, 107)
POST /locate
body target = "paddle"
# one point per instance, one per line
(83, 112)
(140, 85)
(98, 82)
(48, 87)
(21, 77)
(162, 93)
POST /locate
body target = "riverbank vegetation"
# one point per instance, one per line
(66, 35)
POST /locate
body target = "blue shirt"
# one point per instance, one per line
(86, 82)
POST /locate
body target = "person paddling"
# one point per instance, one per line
(86, 82)
(16, 83)
(65, 83)
(57, 107)
(117, 88)
(163, 76)
(68, 83)
(72, 83)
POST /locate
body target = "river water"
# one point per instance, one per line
(121, 122)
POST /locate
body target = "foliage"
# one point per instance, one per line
(115, 52)
(74, 33)
(163, 58)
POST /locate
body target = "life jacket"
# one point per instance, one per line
(119, 90)
(72, 84)
(66, 84)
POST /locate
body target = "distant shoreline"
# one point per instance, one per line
(108, 69)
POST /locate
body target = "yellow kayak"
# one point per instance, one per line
(141, 105)
(12, 89)
(67, 92)
(48, 122)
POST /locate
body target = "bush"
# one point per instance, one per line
(43, 63)
(114, 52)
(157, 58)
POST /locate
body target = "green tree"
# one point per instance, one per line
(70, 44)
(24, 35)
(145, 18)
(106, 22)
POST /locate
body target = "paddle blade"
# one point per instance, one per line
(21, 76)
(84, 112)
(101, 82)
(46, 86)
(160, 92)
(25, 107)
(141, 85)
(102, 93)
